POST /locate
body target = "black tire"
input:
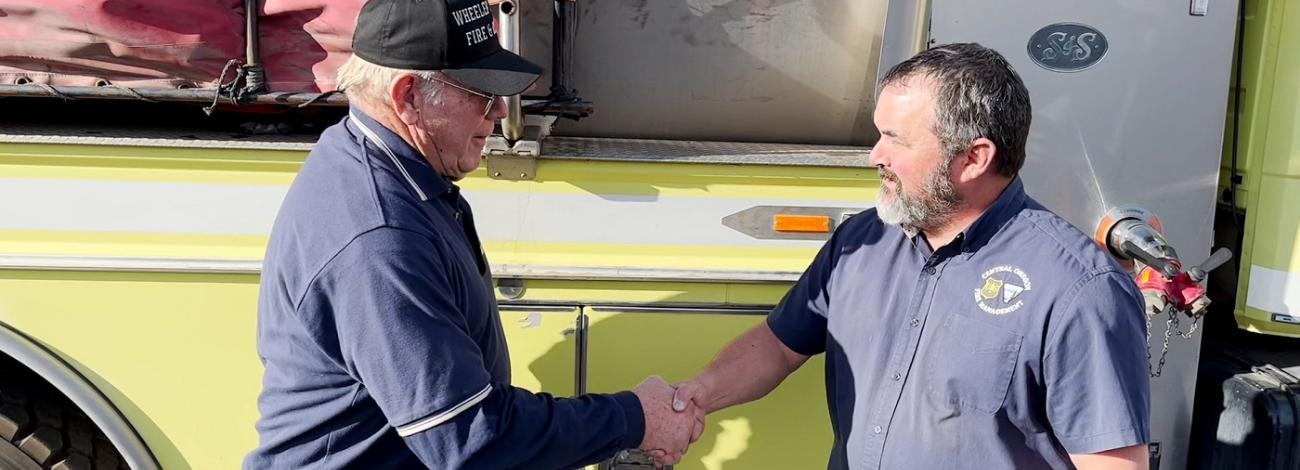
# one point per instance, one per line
(40, 429)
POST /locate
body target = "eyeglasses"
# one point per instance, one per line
(491, 99)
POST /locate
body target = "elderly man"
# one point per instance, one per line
(377, 324)
(964, 325)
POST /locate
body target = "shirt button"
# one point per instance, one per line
(897, 376)
(929, 271)
(878, 429)
(914, 323)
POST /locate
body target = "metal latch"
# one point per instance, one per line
(517, 161)
(511, 162)
(1279, 378)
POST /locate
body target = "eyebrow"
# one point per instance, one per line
(894, 135)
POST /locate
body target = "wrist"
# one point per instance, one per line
(705, 396)
(633, 419)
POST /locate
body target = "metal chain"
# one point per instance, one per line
(1196, 321)
(1171, 328)
(1149, 345)
(1170, 325)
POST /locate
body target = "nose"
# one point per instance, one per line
(879, 155)
(498, 110)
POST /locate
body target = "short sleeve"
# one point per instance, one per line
(799, 320)
(1095, 367)
(391, 306)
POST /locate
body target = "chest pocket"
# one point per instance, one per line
(975, 367)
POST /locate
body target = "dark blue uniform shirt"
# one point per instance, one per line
(380, 335)
(1013, 346)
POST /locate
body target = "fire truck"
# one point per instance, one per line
(675, 170)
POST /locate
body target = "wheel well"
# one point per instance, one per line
(40, 428)
(42, 368)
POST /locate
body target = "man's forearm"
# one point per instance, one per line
(1124, 458)
(515, 428)
(745, 370)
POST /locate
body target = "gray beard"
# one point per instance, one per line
(931, 209)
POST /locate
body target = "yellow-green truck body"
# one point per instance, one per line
(160, 316)
(129, 259)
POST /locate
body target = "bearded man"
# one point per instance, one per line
(964, 325)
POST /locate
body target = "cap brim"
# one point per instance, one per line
(502, 73)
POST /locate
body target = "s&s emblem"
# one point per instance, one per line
(1067, 47)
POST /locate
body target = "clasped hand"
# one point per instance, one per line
(673, 420)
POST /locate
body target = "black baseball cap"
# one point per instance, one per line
(452, 36)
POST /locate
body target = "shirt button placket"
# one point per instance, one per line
(897, 377)
(904, 352)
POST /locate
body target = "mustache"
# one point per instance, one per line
(885, 173)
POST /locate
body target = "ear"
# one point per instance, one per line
(976, 161)
(402, 95)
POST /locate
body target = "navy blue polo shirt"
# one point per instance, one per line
(1016, 344)
(380, 335)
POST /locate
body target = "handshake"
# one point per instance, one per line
(674, 418)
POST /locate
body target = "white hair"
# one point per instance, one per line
(364, 81)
